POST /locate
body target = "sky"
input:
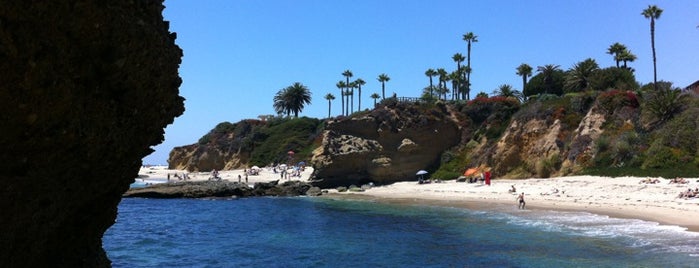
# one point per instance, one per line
(239, 53)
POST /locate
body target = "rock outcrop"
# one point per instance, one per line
(227, 189)
(387, 145)
(86, 88)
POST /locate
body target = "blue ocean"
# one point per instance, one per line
(326, 232)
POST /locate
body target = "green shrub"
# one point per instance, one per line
(660, 156)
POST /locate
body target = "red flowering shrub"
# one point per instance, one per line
(614, 99)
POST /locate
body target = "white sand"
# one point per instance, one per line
(159, 174)
(619, 197)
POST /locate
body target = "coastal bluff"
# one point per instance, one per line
(387, 145)
(86, 89)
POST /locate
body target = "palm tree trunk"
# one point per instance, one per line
(342, 102)
(468, 74)
(652, 44)
(360, 99)
(383, 92)
(329, 108)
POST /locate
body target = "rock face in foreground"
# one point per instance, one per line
(390, 144)
(86, 87)
(201, 189)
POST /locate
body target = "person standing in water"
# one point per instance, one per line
(520, 198)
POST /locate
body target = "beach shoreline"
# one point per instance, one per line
(622, 197)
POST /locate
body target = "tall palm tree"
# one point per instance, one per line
(341, 85)
(359, 82)
(653, 13)
(458, 58)
(375, 96)
(292, 99)
(547, 71)
(525, 71)
(329, 97)
(347, 74)
(352, 86)
(383, 78)
(443, 78)
(348, 93)
(469, 38)
(466, 93)
(430, 73)
(578, 77)
(614, 50)
(455, 78)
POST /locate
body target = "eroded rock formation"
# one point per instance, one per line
(86, 87)
(390, 144)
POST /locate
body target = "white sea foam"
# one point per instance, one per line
(646, 235)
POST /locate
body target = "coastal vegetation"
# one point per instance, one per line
(646, 129)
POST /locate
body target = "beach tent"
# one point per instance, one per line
(255, 167)
(470, 171)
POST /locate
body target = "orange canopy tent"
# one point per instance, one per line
(470, 171)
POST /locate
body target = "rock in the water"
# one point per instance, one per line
(201, 189)
(86, 88)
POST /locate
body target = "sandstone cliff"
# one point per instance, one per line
(388, 144)
(86, 88)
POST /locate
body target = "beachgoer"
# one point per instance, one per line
(487, 178)
(513, 190)
(239, 178)
(520, 198)
(246, 178)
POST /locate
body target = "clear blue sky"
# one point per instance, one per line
(239, 53)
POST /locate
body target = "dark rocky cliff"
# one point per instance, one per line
(86, 87)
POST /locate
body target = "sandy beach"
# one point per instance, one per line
(623, 197)
(159, 174)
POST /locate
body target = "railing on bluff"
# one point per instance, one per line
(408, 99)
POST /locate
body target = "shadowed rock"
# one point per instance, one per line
(86, 88)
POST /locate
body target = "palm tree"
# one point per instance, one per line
(443, 78)
(329, 97)
(466, 93)
(383, 78)
(508, 91)
(359, 82)
(458, 58)
(341, 85)
(280, 102)
(347, 93)
(578, 77)
(524, 70)
(292, 99)
(352, 86)
(375, 96)
(347, 74)
(469, 38)
(653, 13)
(614, 50)
(547, 71)
(430, 73)
(455, 78)
(626, 56)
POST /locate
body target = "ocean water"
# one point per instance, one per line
(322, 232)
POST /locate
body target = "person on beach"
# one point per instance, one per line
(520, 198)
